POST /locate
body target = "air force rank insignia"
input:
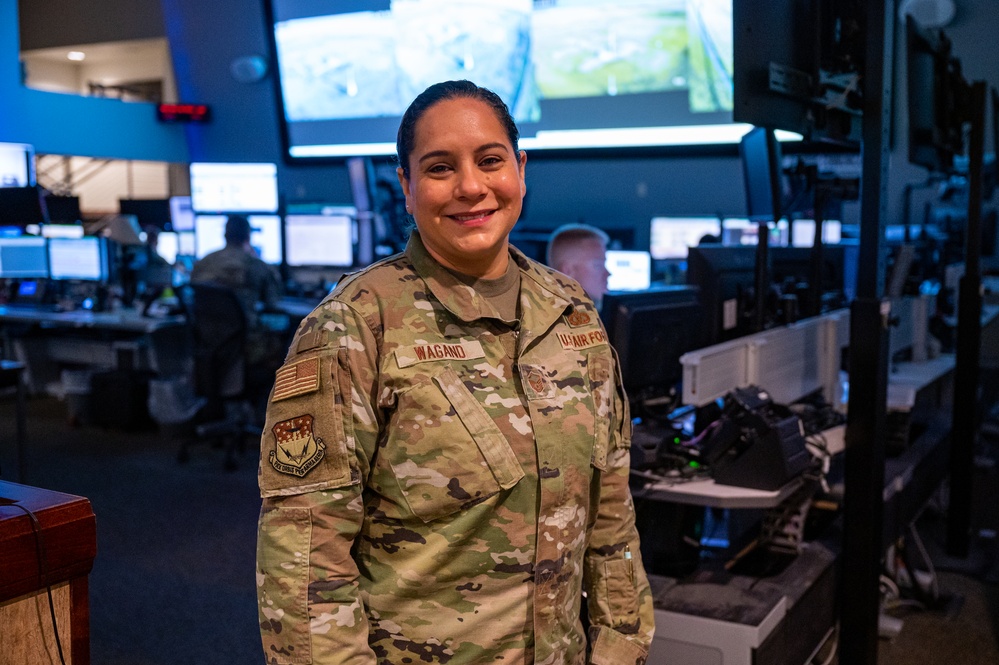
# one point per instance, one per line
(578, 318)
(296, 449)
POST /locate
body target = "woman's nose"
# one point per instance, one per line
(470, 183)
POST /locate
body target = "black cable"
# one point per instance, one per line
(43, 573)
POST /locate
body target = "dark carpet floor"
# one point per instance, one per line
(173, 581)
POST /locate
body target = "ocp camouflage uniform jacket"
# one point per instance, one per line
(439, 485)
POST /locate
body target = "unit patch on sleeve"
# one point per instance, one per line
(296, 450)
(407, 356)
(297, 379)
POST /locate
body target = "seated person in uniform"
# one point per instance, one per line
(580, 251)
(257, 286)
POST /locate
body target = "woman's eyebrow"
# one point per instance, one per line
(434, 154)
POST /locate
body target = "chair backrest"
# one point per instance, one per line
(218, 328)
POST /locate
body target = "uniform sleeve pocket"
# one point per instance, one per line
(600, 386)
(283, 542)
(622, 597)
(445, 451)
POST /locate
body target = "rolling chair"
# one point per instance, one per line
(218, 333)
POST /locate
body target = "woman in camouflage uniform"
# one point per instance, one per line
(445, 462)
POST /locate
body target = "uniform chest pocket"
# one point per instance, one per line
(445, 451)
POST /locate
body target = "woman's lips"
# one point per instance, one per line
(472, 217)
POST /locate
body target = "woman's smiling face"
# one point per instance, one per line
(465, 187)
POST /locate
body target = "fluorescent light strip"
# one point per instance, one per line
(580, 138)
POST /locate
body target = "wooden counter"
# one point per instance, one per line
(57, 552)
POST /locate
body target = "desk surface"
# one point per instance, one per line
(298, 307)
(714, 495)
(126, 320)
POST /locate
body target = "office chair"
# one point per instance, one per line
(218, 329)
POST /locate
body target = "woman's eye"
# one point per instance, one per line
(438, 169)
(491, 161)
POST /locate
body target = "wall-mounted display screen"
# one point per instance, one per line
(319, 240)
(265, 235)
(574, 73)
(82, 259)
(218, 187)
(17, 165)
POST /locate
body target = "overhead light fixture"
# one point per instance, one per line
(76, 56)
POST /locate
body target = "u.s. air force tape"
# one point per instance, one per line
(407, 356)
(585, 339)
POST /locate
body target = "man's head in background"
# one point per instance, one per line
(580, 251)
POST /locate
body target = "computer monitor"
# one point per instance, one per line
(629, 270)
(61, 231)
(669, 237)
(24, 257)
(17, 165)
(148, 212)
(83, 259)
(741, 232)
(187, 243)
(650, 330)
(240, 187)
(265, 235)
(21, 206)
(792, 270)
(726, 278)
(319, 240)
(167, 246)
(181, 213)
(803, 232)
(63, 209)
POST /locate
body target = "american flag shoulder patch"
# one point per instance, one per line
(298, 378)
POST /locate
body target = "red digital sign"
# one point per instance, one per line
(182, 112)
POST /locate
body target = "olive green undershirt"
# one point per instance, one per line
(503, 292)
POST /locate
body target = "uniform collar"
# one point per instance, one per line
(540, 293)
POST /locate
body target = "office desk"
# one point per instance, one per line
(67, 526)
(125, 321)
(710, 494)
(46, 341)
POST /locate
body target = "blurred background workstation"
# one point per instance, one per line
(804, 287)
